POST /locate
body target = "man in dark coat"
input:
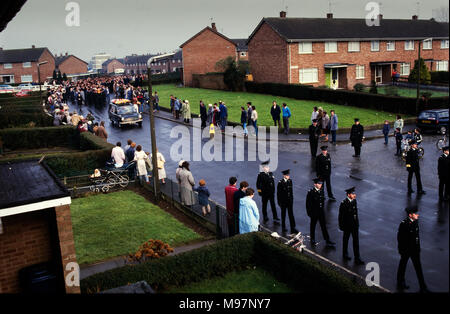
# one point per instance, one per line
(323, 169)
(249, 113)
(285, 198)
(275, 112)
(444, 177)
(412, 165)
(314, 135)
(409, 247)
(265, 185)
(314, 210)
(203, 114)
(349, 224)
(236, 200)
(356, 137)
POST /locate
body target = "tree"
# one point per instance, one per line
(425, 76)
(54, 75)
(64, 77)
(441, 14)
(59, 78)
(233, 72)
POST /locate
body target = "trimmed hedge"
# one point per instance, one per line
(18, 112)
(394, 104)
(28, 138)
(166, 78)
(439, 76)
(301, 272)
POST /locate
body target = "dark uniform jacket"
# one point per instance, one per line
(314, 132)
(323, 165)
(236, 200)
(443, 166)
(203, 114)
(285, 195)
(348, 215)
(266, 184)
(356, 134)
(314, 202)
(408, 237)
(275, 112)
(412, 159)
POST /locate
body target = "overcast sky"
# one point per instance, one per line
(123, 27)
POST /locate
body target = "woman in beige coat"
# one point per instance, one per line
(186, 183)
(161, 170)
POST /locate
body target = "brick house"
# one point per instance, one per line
(20, 65)
(113, 66)
(70, 65)
(35, 229)
(171, 63)
(136, 64)
(203, 50)
(339, 53)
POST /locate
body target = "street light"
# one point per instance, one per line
(39, 79)
(418, 75)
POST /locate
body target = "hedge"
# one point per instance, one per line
(394, 104)
(301, 272)
(166, 78)
(439, 76)
(46, 137)
(17, 112)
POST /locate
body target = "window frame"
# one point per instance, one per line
(358, 68)
(327, 44)
(350, 44)
(25, 81)
(402, 66)
(301, 44)
(301, 72)
(390, 42)
(427, 41)
(26, 64)
(444, 44)
(440, 62)
(408, 42)
(371, 45)
(9, 67)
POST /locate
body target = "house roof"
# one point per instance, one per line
(61, 59)
(134, 59)
(27, 182)
(21, 55)
(241, 44)
(111, 60)
(8, 11)
(297, 29)
(205, 29)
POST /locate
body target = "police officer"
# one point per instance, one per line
(412, 165)
(265, 185)
(323, 169)
(314, 135)
(409, 247)
(444, 178)
(314, 209)
(356, 137)
(285, 198)
(349, 224)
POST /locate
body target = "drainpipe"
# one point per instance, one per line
(290, 64)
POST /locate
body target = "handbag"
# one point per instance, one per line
(160, 164)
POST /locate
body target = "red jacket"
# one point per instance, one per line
(229, 193)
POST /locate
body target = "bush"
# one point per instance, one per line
(301, 272)
(152, 249)
(425, 76)
(22, 138)
(358, 87)
(373, 88)
(439, 77)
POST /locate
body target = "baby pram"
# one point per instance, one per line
(104, 180)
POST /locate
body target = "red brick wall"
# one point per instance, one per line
(209, 81)
(25, 241)
(201, 54)
(268, 56)
(72, 65)
(18, 70)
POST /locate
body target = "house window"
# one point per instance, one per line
(330, 46)
(308, 75)
(390, 45)
(375, 45)
(26, 64)
(405, 68)
(409, 44)
(7, 66)
(26, 78)
(353, 46)
(444, 44)
(359, 72)
(305, 47)
(442, 65)
(427, 44)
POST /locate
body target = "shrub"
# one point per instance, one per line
(152, 249)
(359, 87)
(425, 76)
(439, 76)
(373, 88)
(233, 73)
(23, 138)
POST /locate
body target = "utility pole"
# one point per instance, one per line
(39, 80)
(418, 80)
(152, 135)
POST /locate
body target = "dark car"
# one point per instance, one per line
(434, 120)
(122, 112)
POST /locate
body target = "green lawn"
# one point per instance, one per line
(301, 109)
(410, 92)
(115, 224)
(246, 281)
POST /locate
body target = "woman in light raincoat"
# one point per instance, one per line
(248, 213)
(141, 157)
(186, 109)
(160, 161)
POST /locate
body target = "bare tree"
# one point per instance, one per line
(441, 14)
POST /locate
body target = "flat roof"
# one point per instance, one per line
(28, 186)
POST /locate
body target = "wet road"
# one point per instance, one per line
(380, 180)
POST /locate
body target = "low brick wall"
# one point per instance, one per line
(209, 81)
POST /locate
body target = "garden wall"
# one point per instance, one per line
(209, 81)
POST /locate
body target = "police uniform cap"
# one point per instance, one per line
(444, 148)
(325, 147)
(350, 190)
(411, 210)
(285, 172)
(314, 120)
(317, 180)
(265, 163)
(356, 119)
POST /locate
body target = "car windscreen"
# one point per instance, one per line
(443, 114)
(126, 110)
(427, 115)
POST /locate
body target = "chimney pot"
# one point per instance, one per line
(415, 17)
(33, 46)
(283, 14)
(329, 15)
(66, 53)
(213, 26)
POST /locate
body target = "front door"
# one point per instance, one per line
(334, 82)
(378, 74)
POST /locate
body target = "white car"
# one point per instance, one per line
(28, 86)
(4, 89)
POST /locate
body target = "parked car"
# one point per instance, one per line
(122, 111)
(434, 120)
(23, 93)
(4, 89)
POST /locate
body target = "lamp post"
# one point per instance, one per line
(418, 76)
(39, 79)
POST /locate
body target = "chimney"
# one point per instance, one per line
(213, 26)
(329, 15)
(66, 53)
(380, 16)
(415, 17)
(33, 46)
(283, 14)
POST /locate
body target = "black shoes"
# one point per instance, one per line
(284, 230)
(330, 243)
(331, 198)
(410, 191)
(266, 220)
(346, 257)
(276, 221)
(359, 261)
(313, 242)
(294, 231)
(402, 286)
(421, 192)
